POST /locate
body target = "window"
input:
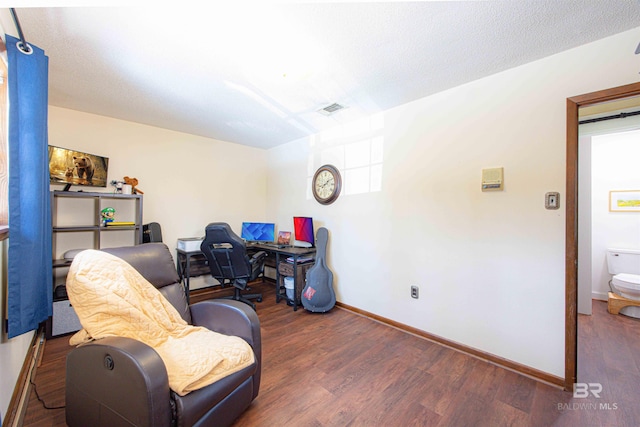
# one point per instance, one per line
(356, 149)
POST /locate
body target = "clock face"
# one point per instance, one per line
(326, 184)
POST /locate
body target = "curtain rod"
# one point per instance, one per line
(615, 116)
(23, 45)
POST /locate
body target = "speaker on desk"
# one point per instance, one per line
(151, 233)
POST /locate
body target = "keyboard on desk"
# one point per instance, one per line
(274, 245)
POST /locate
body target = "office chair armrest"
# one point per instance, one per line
(116, 377)
(258, 256)
(229, 317)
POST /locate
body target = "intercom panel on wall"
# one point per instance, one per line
(493, 179)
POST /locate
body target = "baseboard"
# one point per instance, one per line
(602, 296)
(487, 357)
(20, 398)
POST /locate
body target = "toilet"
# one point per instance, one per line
(624, 265)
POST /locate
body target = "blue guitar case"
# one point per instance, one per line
(318, 295)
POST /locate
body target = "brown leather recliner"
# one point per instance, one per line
(119, 381)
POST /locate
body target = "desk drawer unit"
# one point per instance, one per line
(198, 266)
(286, 269)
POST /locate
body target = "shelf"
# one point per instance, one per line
(87, 194)
(76, 228)
(76, 224)
(61, 263)
(76, 212)
(94, 228)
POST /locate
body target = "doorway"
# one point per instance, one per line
(571, 238)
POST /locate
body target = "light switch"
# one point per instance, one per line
(552, 200)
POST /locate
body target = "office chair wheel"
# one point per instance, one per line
(259, 299)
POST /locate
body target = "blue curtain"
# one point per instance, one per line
(29, 274)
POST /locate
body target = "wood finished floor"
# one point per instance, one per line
(341, 369)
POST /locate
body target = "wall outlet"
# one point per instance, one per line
(552, 200)
(414, 291)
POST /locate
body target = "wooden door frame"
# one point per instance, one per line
(571, 242)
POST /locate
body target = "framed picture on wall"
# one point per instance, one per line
(624, 201)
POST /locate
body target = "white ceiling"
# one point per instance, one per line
(255, 73)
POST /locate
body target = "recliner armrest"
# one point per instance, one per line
(232, 317)
(228, 317)
(115, 379)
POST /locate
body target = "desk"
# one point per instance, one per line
(289, 251)
(185, 259)
(190, 264)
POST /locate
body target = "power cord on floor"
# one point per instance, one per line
(35, 389)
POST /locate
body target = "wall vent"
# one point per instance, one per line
(331, 109)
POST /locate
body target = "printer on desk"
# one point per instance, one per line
(190, 244)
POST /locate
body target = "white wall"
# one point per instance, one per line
(188, 181)
(490, 266)
(614, 167)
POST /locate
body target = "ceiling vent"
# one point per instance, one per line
(331, 109)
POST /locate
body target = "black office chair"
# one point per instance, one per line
(228, 261)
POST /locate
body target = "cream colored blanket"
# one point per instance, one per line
(112, 299)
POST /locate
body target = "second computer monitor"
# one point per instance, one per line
(258, 231)
(303, 229)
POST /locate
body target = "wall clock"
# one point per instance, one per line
(326, 184)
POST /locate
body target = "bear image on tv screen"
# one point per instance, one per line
(84, 167)
(70, 167)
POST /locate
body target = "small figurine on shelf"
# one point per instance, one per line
(133, 182)
(118, 185)
(107, 215)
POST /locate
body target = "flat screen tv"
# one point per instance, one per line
(258, 231)
(303, 229)
(70, 167)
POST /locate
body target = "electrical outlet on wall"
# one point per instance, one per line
(552, 200)
(414, 291)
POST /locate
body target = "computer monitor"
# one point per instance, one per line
(303, 229)
(258, 231)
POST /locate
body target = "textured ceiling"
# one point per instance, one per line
(255, 73)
